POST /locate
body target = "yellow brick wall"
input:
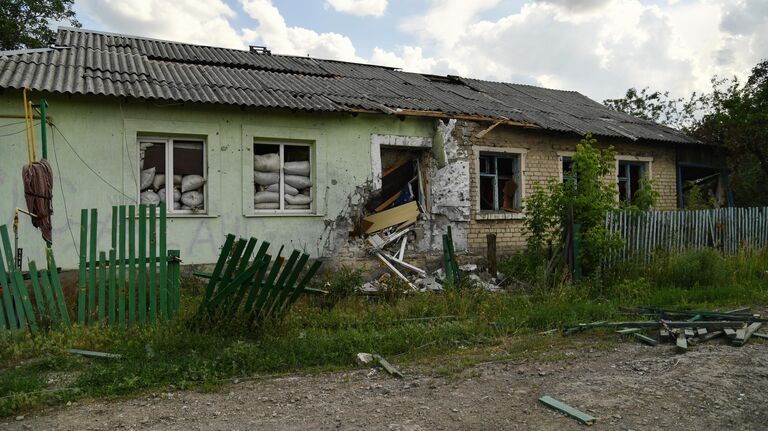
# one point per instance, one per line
(542, 162)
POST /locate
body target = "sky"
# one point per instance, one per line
(599, 48)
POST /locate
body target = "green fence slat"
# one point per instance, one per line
(102, 307)
(233, 263)
(21, 290)
(247, 254)
(238, 299)
(258, 281)
(7, 297)
(39, 300)
(267, 287)
(174, 281)
(152, 291)
(280, 283)
(92, 253)
(111, 283)
(142, 263)
(131, 264)
(114, 227)
(81, 280)
(9, 252)
(58, 292)
(299, 288)
(226, 291)
(4, 325)
(214, 280)
(121, 284)
(49, 299)
(289, 288)
(162, 255)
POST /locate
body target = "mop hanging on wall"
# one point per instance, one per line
(37, 175)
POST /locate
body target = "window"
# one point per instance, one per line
(566, 167)
(173, 170)
(629, 175)
(282, 176)
(500, 182)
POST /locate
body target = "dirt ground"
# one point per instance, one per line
(630, 387)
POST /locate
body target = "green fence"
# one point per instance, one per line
(137, 280)
(254, 288)
(20, 312)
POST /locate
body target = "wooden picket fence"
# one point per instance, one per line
(726, 229)
(137, 280)
(253, 288)
(19, 312)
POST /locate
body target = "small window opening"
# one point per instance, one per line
(500, 182)
(629, 177)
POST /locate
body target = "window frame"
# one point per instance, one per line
(561, 156)
(500, 214)
(645, 164)
(313, 193)
(168, 142)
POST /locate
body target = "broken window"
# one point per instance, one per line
(282, 176)
(173, 170)
(629, 175)
(500, 181)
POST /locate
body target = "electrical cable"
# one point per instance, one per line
(63, 198)
(16, 133)
(89, 167)
(13, 124)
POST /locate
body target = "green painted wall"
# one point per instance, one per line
(103, 132)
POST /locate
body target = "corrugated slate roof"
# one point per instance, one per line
(89, 62)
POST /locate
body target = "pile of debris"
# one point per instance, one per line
(685, 327)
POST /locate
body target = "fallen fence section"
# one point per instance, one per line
(138, 279)
(20, 310)
(725, 229)
(253, 286)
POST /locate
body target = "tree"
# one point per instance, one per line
(27, 23)
(679, 113)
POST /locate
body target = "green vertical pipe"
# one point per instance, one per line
(39, 301)
(43, 128)
(102, 308)
(131, 264)
(121, 268)
(81, 280)
(142, 263)
(57, 290)
(162, 254)
(48, 291)
(152, 263)
(91, 312)
(111, 284)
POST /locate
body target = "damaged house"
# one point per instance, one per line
(306, 152)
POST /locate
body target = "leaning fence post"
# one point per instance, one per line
(491, 240)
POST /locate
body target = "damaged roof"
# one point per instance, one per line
(96, 63)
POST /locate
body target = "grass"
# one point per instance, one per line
(318, 336)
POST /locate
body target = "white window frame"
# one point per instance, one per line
(647, 168)
(500, 151)
(168, 142)
(313, 187)
(560, 156)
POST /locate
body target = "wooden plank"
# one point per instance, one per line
(628, 331)
(291, 287)
(111, 312)
(568, 410)
(743, 335)
(58, 292)
(760, 335)
(152, 291)
(5, 285)
(121, 281)
(384, 205)
(233, 263)
(280, 283)
(217, 270)
(729, 332)
(266, 290)
(394, 270)
(162, 254)
(131, 265)
(682, 343)
(81, 281)
(406, 265)
(388, 367)
(23, 293)
(102, 307)
(711, 336)
(174, 281)
(285, 283)
(91, 354)
(647, 340)
(142, 265)
(257, 285)
(39, 301)
(391, 217)
(225, 292)
(114, 228)
(94, 225)
(240, 294)
(49, 298)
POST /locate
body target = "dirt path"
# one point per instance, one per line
(632, 387)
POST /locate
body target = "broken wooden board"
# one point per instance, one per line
(760, 335)
(91, 354)
(388, 367)
(682, 343)
(628, 331)
(568, 410)
(391, 217)
(384, 205)
(646, 340)
(743, 335)
(729, 332)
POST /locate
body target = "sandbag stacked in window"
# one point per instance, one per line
(192, 196)
(296, 176)
(266, 179)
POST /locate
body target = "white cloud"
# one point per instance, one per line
(410, 59)
(275, 33)
(194, 21)
(359, 7)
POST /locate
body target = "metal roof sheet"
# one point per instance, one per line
(89, 62)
